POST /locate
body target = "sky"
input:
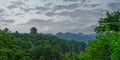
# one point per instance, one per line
(52, 16)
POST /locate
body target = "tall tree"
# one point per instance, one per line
(110, 23)
(106, 46)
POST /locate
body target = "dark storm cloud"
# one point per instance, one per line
(114, 6)
(75, 13)
(7, 21)
(68, 7)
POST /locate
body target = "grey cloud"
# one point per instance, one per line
(89, 30)
(38, 12)
(8, 21)
(4, 24)
(15, 4)
(37, 21)
(75, 13)
(68, 7)
(114, 6)
(26, 0)
(56, 26)
(42, 8)
(49, 4)
(91, 5)
(2, 10)
(73, 6)
(50, 14)
(26, 9)
(12, 6)
(50, 22)
(100, 10)
(72, 0)
(18, 3)
(82, 1)
(19, 14)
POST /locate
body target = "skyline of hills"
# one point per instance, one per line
(78, 36)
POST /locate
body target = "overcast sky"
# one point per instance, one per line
(52, 16)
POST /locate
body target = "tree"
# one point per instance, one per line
(70, 56)
(98, 49)
(42, 58)
(6, 29)
(47, 51)
(106, 46)
(19, 54)
(115, 46)
(110, 23)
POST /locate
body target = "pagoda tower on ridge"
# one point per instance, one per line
(33, 30)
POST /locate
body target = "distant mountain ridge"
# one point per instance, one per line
(79, 36)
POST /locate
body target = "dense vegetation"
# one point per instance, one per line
(22, 46)
(107, 43)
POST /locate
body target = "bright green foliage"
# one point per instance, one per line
(110, 23)
(71, 56)
(47, 51)
(97, 50)
(22, 46)
(115, 46)
(107, 43)
(103, 48)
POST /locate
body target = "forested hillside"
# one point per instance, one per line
(23, 46)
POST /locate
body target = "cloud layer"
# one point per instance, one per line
(51, 16)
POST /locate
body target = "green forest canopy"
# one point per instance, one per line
(23, 46)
